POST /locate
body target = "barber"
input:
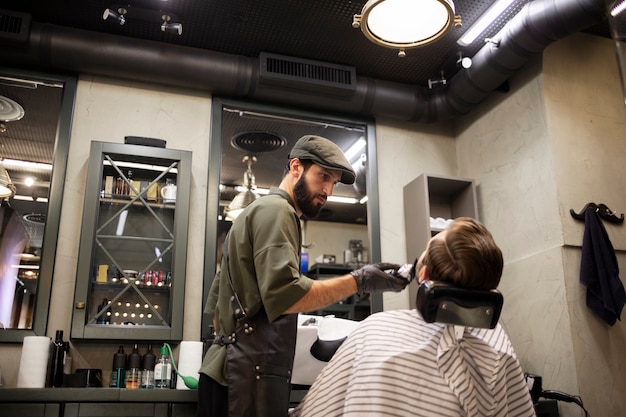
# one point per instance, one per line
(259, 289)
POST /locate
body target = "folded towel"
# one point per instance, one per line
(599, 271)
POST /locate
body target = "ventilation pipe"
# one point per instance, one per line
(538, 24)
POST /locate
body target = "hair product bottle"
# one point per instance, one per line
(133, 374)
(147, 373)
(163, 370)
(118, 373)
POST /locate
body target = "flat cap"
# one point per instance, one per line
(325, 154)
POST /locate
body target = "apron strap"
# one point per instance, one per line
(239, 312)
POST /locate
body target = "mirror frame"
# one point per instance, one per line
(213, 194)
(55, 199)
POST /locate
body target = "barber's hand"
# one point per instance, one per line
(373, 278)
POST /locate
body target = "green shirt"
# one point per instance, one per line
(264, 263)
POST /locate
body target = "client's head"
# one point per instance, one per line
(464, 255)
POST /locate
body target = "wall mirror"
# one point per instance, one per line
(35, 121)
(249, 149)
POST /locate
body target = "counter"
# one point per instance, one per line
(77, 402)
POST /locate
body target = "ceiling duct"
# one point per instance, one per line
(307, 75)
(14, 26)
(539, 23)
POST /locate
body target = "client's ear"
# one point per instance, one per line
(423, 274)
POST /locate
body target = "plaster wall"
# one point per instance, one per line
(553, 143)
(587, 130)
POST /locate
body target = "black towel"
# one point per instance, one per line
(599, 271)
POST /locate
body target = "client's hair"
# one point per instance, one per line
(468, 257)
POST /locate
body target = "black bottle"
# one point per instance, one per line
(118, 372)
(147, 373)
(54, 376)
(104, 318)
(133, 373)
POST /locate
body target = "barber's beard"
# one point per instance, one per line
(306, 200)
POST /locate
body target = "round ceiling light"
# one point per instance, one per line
(10, 111)
(405, 24)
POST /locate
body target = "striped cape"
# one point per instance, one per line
(395, 364)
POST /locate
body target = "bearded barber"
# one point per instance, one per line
(256, 295)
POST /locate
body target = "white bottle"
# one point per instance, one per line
(163, 370)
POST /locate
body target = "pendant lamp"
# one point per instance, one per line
(244, 198)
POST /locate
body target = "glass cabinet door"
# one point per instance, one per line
(131, 265)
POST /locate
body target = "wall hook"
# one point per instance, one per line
(603, 211)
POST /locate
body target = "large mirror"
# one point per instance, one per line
(250, 144)
(35, 121)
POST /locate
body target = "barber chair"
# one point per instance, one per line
(440, 302)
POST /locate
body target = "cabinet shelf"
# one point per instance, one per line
(126, 237)
(121, 200)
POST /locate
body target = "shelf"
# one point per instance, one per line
(120, 200)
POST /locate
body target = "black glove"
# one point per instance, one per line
(379, 277)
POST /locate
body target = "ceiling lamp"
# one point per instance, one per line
(403, 24)
(246, 197)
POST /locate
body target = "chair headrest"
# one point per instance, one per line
(444, 303)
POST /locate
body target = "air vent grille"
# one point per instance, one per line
(14, 26)
(306, 74)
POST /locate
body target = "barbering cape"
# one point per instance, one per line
(599, 271)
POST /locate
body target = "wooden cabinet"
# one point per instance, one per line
(428, 198)
(133, 245)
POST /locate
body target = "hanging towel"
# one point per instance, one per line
(599, 271)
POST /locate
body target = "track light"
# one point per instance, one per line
(115, 16)
(169, 26)
(172, 27)
(435, 83)
(463, 62)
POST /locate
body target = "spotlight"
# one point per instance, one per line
(115, 16)
(434, 83)
(463, 62)
(169, 26)
(172, 28)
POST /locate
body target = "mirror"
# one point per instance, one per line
(35, 119)
(251, 142)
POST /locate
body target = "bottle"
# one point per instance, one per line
(163, 370)
(118, 372)
(54, 376)
(133, 375)
(67, 359)
(147, 373)
(104, 318)
(119, 186)
(126, 186)
(168, 192)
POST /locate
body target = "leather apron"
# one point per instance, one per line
(259, 358)
(259, 366)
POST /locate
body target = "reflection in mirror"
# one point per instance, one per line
(35, 114)
(249, 151)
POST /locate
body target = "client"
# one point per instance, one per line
(397, 364)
